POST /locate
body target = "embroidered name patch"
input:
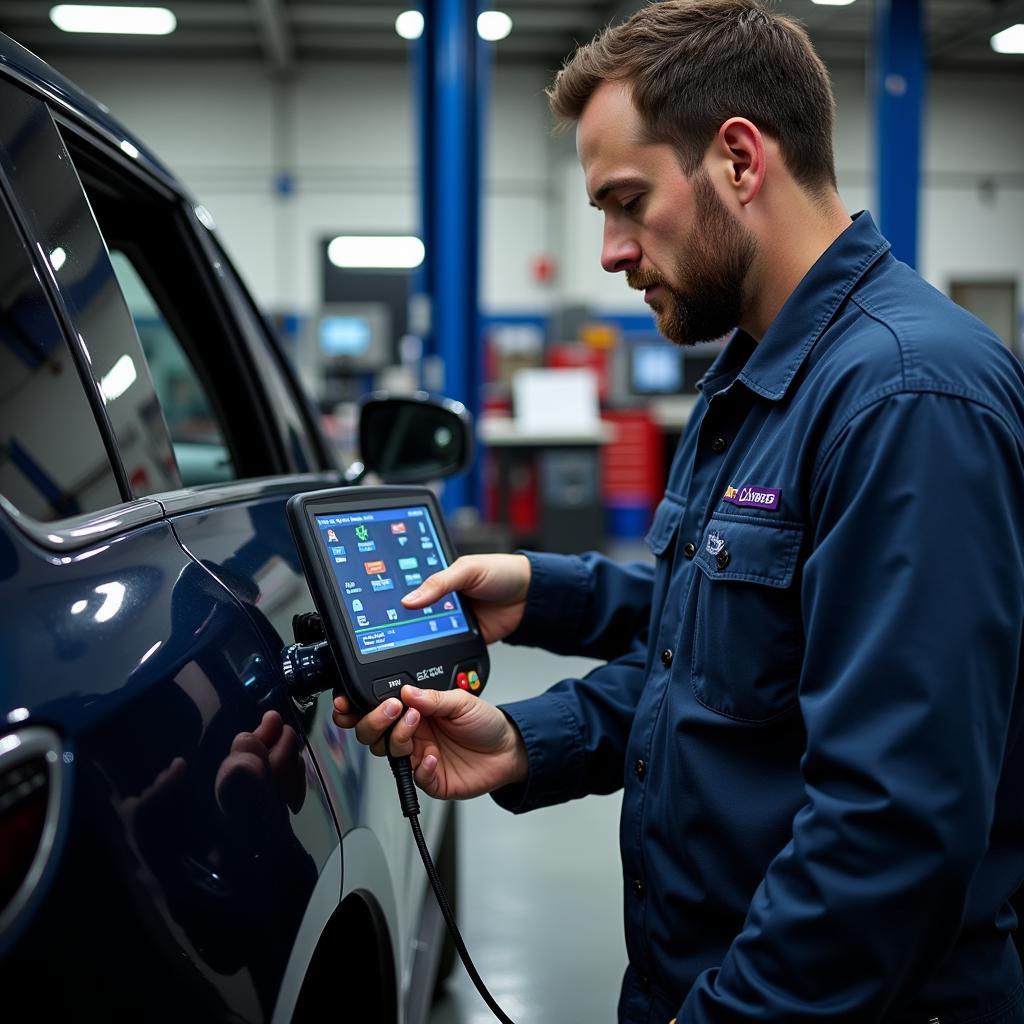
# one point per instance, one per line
(752, 497)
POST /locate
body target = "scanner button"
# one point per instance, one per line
(389, 686)
(462, 681)
(474, 680)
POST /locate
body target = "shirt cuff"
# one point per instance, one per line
(560, 587)
(554, 751)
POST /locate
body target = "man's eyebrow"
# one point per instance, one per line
(611, 186)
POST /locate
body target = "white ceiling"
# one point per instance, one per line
(283, 33)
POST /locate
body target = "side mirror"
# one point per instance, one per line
(414, 438)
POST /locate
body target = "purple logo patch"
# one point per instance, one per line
(752, 497)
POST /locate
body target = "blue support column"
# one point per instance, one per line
(450, 126)
(898, 76)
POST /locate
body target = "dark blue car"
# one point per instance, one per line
(181, 837)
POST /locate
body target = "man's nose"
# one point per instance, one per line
(619, 251)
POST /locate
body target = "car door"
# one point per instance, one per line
(187, 830)
(244, 442)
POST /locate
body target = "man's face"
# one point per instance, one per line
(672, 236)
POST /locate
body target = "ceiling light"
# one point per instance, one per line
(832, 3)
(1010, 40)
(493, 25)
(409, 24)
(398, 252)
(134, 21)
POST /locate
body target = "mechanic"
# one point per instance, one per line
(811, 700)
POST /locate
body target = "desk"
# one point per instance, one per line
(571, 513)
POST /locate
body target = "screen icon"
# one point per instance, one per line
(366, 546)
(408, 564)
(357, 605)
(431, 559)
(455, 622)
(448, 606)
(375, 568)
(398, 527)
(362, 533)
(433, 626)
(426, 543)
(413, 579)
(403, 541)
(362, 620)
(423, 528)
(392, 615)
(332, 537)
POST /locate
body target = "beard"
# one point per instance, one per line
(714, 259)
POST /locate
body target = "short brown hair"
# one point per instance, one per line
(693, 64)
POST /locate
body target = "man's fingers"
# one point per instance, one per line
(437, 703)
(434, 587)
(371, 727)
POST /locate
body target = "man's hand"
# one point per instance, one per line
(496, 584)
(461, 746)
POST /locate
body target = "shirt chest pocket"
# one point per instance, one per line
(747, 639)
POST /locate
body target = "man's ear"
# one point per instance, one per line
(740, 145)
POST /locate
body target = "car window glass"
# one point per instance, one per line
(199, 443)
(53, 463)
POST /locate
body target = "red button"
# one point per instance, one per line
(462, 681)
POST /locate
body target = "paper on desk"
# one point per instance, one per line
(555, 401)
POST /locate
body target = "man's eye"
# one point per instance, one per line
(632, 205)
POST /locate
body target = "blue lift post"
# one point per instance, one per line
(450, 119)
(898, 75)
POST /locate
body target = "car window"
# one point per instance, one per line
(207, 389)
(200, 446)
(53, 463)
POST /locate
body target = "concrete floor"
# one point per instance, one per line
(539, 894)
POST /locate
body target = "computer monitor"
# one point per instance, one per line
(655, 368)
(354, 336)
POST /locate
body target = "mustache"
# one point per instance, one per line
(638, 279)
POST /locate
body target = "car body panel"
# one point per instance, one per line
(192, 872)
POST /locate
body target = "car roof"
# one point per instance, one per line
(23, 65)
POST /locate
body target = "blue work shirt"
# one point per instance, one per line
(812, 700)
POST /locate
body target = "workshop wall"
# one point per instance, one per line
(282, 164)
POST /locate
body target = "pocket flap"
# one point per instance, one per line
(664, 526)
(754, 552)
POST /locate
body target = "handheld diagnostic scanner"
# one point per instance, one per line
(363, 549)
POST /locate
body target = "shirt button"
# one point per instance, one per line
(638, 888)
(666, 657)
(719, 444)
(690, 550)
(639, 768)
(722, 559)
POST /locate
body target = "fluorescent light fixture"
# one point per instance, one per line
(493, 25)
(832, 3)
(121, 377)
(1010, 40)
(131, 21)
(409, 24)
(58, 258)
(129, 149)
(383, 251)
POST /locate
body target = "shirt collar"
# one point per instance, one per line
(769, 369)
